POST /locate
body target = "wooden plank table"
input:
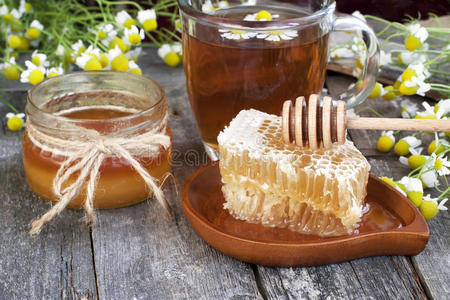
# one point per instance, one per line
(136, 253)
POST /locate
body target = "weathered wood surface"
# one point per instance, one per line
(136, 252)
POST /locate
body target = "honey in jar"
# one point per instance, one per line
(111, 105)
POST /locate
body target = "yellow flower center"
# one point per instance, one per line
(415, 197)
(263, 15)
(432, 148)
(101, 35)
(35, 60)
(93, 64)
(150, 25)
(81, 50)
(384, 144)
(8, 17)
(389, 95)
(33, 33)
(438, 164)
(14, 42)
(415, 161)
(408, 74)
(172, 59)
(407, 90)
(136, 71)
(118, 42)
(401, 148)
(402, 187)
(11, 73)
(134, 39)
(275, 32)
(28, 6)
(412, 43)
(103, 60)
(237, 31)
(129, 22)
(36, 77)
(359, 64)
(24, 44)
(119, 63)
(376, 92)
(428, 209)
(16, 25)
(436, 108)
(53, 74)
(15, 123)
(389, 181)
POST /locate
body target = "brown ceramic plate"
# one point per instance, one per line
(391, 226)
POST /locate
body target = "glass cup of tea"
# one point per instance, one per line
(257, 54)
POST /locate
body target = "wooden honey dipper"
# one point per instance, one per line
(314, 126)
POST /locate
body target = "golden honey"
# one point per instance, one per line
(109, 112)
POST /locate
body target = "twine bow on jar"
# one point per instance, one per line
(85, 155)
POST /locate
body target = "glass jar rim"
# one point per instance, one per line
(54, 116)
(213, 20)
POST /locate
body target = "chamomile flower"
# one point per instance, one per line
(430, 178)
(208, 7)
(404, 146)
(10, 69)
(88, 62)
(54, 71)
(278, 35)
(341, 52)
(414, 85)
(133, 36)
(134, 54)
(407, 57)
(417, 36)
(118, 60)
(118, 42)
(388, 93)
(178, 26)
(386, 141)
(78, 48)
(237, 33)
(414, 189)
(33, 74)
(25, 7)
(392, 183)
(430, 207)
(262, 15)
(148, 19)
(15, 121)
(124, 19)
(105, 33)
(442, 108)
(170, 54)
(134, 68)
(9, 15)
(376, 91)
(437, 146)
(39, 59)
(440, 164)
(385, 59)
(34, 31)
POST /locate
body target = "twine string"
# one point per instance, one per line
(85, 156)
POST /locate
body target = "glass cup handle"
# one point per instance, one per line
(355, 96)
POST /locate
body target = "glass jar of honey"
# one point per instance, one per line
(97, 133)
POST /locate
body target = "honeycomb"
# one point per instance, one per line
(266, 181)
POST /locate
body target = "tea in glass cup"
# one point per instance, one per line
(257, 54)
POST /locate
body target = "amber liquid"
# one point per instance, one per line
(225, 76)
(118, 184)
